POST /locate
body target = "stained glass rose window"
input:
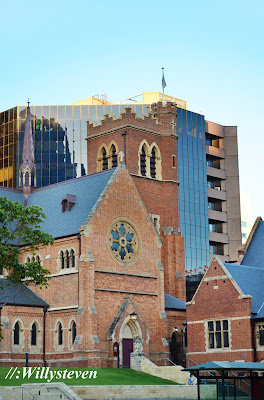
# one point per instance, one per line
(123, 241)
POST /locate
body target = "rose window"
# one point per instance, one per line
(123, 241)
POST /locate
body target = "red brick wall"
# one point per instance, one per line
(217, 298)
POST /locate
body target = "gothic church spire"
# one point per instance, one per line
(27, 170)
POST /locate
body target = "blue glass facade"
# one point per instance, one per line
(61, 153)
(59, 136)
(193, 202)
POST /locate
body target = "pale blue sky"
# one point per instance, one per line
(59, 52)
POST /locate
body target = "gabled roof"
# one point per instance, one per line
(18, 294)
(254, 256)
(174, 303)
(250, 280)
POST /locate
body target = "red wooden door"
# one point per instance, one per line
(127, 349)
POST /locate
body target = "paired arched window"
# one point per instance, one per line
(107, 157)
(17, 333)
(67, 259)
(34, 334)
(149, 160)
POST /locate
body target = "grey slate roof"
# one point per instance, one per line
(174, 303)
(250, 280)
(254, 256)
(87, 191)
(12, 194)
(18, 294)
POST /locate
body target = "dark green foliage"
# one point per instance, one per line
(19, 233)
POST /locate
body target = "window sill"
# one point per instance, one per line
(218, 350)
(69, 271)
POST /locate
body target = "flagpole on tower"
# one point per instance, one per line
(163, 83)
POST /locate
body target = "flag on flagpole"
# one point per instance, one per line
(163, 80)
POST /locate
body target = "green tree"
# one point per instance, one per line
(19, 233)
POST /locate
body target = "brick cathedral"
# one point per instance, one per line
(117, 263)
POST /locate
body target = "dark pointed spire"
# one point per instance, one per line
(27, 170)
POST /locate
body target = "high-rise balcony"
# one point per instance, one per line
(216, 172)
(216, 194)
(215, 151)
(217, 215)
(218, 237)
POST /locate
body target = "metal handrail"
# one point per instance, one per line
(171, 361)
(62, 391)
(23, 387)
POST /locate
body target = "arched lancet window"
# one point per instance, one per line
(21, 179)
(34, 335)
(114, 156)
(60, 335)
(16, 333)
(62, 259)
(38, 259)
(33, 259)
(104, 159)
(72, 257)
(26, 179)
(28, 260)
(32, 180)
(153, 163)
(73, 331)
(67, 259)
(143, 161)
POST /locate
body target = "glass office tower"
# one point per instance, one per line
(193, 201)
(60, 133)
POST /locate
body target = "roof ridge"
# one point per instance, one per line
(107, 171)
(243, 266)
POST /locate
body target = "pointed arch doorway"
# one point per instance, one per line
(129, 331)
